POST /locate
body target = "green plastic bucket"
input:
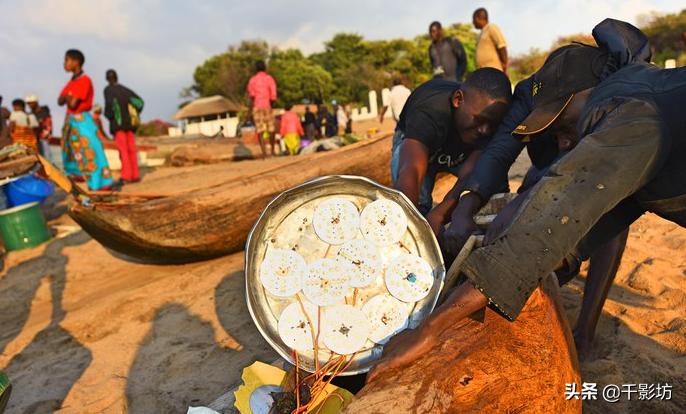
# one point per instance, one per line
(5, 391)
(23, 226)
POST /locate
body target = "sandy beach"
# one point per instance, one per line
(83, 331)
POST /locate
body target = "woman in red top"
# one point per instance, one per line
(83, 154)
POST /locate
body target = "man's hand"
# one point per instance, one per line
(456, 235)
(462, 224)
(504, 218)
(435, 220)
(403, 349)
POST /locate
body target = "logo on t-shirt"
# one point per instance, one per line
(449, 160)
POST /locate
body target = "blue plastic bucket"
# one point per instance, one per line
(29, 189)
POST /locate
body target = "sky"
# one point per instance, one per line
(155, 45)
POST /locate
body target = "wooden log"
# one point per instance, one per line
(494, 366)
(215, 221)
(18, 166)
(213, 152)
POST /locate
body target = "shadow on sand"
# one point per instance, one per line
(620, 356)
(47, 362)
(179, 362)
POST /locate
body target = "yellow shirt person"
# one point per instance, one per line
(491, 47)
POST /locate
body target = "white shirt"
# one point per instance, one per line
(341, 117)
(23, 119)
(399, 95)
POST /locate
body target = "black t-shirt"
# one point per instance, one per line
(428, 118)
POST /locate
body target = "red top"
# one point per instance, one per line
(290, 123)
(82, 88)
(262, 89)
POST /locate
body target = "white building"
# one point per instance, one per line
(208, 116)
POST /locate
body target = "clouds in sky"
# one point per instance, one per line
(156, 44)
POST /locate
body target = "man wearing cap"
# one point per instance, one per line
(630, 159)
(44, 130)
(619, 44)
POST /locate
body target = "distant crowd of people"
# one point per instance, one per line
(296, 130)
(83, 156)
(448, 61)
(83, 135)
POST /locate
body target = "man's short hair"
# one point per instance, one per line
(111, 73)
(260, 66)
(435, 23)
(76, 55)
(481, 11)
(492, 82)
(18, 102)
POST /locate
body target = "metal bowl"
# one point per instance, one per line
(281, 226)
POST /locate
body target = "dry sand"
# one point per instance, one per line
(85, 332)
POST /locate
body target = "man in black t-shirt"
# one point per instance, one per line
(442, 128)
(122, 108)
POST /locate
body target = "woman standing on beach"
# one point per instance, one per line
(83, 154)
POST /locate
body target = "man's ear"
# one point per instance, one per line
(458, 98)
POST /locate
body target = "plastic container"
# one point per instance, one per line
(28, 189)
(23, 226)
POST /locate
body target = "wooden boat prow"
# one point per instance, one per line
(215, 221)
(494, 366)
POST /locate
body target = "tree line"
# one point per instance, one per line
(350, 66)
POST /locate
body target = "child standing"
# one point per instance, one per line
(291, 130)
(23, 126)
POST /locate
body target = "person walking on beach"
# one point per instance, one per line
(262, 93)
(447, 56)
(83, 154)
(122, 108)
(398, 97)
(491, 47)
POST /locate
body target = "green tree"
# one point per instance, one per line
(228, 73)
(298, 78)
(667, 34)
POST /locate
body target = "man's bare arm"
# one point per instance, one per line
(383, 112)
(413, 163)
(406, 347)
(502, 54)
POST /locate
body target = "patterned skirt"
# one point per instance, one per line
(82, 152)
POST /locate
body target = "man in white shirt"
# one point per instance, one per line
(399, 95)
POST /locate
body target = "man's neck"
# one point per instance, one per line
(77, 73)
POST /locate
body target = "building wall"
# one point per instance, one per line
(207, 128)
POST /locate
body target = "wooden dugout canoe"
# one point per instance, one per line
(494, 366)
(215, 221)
